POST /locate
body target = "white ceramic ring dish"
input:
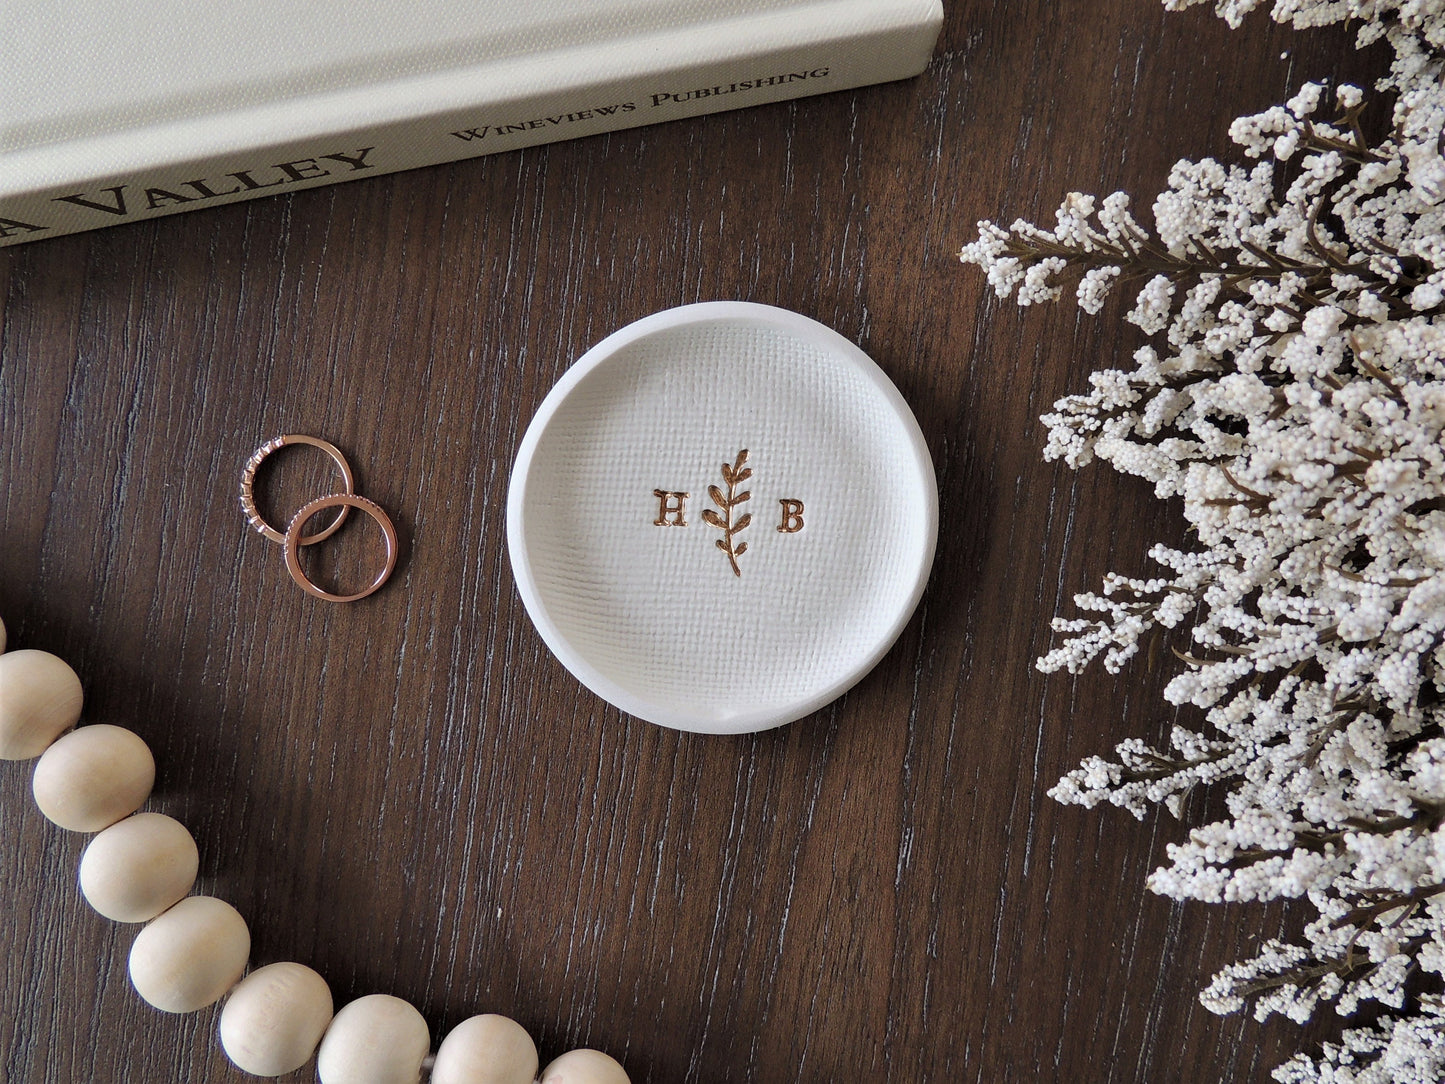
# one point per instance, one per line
(722, 517)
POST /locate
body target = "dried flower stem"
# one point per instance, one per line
(1296, 408)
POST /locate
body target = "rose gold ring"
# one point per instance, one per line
(248, 486)
(293, 542)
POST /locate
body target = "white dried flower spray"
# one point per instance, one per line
(1295, 405)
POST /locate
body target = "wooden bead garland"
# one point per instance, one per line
(188, 957)
(583, 1067)
(40, 699)
(274, 1018)
(137, 868)
(487, 1049)
(94, 776)
(194, 950)
(377, 1039)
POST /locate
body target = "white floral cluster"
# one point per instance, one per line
(1404, 1050)
(1375, 18)
(1296, 408)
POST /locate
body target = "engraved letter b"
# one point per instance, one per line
(792, 516)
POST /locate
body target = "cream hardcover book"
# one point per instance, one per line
(114, 112)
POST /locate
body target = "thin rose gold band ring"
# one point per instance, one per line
(248, 486)
(293, 542)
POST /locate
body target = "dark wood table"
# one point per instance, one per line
(411, 795)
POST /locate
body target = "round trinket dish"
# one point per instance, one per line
(722, 517)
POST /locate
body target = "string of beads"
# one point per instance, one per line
(193, 950)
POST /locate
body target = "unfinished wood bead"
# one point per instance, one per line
(2, 637)
(188, 957)
(584, 1067)
(134, 870)
(40, 699)
(377, 1039)
(92, 777)
(487, 1049)
(274, 1019)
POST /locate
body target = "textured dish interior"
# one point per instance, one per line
(658, 610)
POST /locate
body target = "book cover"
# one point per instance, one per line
(116, 113)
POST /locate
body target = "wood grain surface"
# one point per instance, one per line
(411, 795)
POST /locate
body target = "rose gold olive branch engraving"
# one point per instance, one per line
(733, 477)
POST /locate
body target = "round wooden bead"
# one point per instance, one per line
(137, 868)
(377, 1039)
(584, 1067)
(188, 957)
(487, 1049)
(40, 699)
(94, 776)
(2, 637)
(274, 1019)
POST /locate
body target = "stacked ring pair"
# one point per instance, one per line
(292, 540)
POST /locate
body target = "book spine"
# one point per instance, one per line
(484, 128)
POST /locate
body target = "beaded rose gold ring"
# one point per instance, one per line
(248, 485)
(293, 539)
(293, 542)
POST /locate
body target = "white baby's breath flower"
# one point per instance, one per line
(1094, 287)
(1294, 401)
(1151, 309)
